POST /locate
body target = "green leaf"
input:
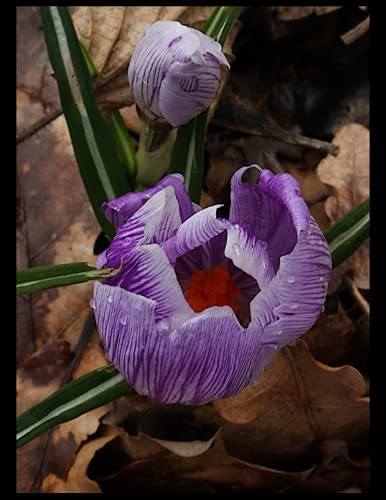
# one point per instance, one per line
(188, 155)
(348, 234)
(91, 137)
(40, 278)
(80, 396)
(123, 145)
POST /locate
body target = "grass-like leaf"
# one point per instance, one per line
(34, 279)
(80, 396)
(91, 137)
(348, 234)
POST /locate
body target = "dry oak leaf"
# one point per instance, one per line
(168, 472)
(297, 403)
(77, 480)
(348, 173)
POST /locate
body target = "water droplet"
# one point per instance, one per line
(236, 249)
(321, 278)
(163, 325)
(110, 299)
(293, 306)
(93, 303)
(123, 320)
(291, 279)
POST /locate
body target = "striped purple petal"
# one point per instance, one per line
(273, 210)
(293, 300)
(146, 271)
(117, 211)
(155, 222)
(175, 72)
(209, 357)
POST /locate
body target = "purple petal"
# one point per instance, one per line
(117, 211)
(273, 211)
(293, 300)
(156, 221)
(208, 357)
(168, 46)
(146, 271)
(249, 254)
(187, 90)
(198, 229)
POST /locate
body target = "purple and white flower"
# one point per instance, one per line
(175, 72)
(202, 303)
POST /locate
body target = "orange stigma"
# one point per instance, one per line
(214, 288)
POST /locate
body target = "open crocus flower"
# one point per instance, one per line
(175, 72)
(201, 303)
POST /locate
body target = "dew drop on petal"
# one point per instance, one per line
(163, 325)
(123, 320)
(110, 299)
(291, 279)
(93, 304)
(293, 306)
(236, 249)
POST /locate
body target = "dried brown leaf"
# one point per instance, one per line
(77, 480)
(313, 190)
(82, 20)
(185, 449)
(168, 473)
(328, 340)
(106, 26)
(297, 402)
(41, 373)
(348, 175)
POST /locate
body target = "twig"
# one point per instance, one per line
(38, 125)
(356, 32)
(236, 115)
(362, 302)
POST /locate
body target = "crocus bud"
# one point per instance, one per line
(175, 72)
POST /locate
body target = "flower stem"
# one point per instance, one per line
(154, 151)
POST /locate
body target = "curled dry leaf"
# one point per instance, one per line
(297, 402)
(77, 480)
(185, 448)
(348, 175)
